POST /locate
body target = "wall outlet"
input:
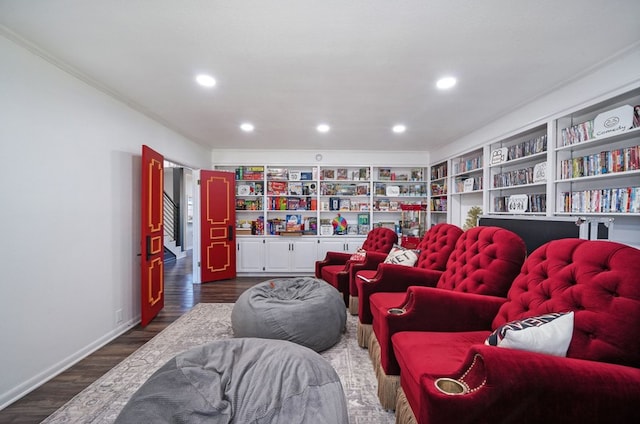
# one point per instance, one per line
(119, 316)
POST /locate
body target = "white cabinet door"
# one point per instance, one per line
(303, 255)
(353, 244)
(278, 254)
(329, 245)
(250, 254)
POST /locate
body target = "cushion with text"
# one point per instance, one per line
(549, 333)
(401, 256)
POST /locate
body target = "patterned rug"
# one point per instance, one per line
(102, 401)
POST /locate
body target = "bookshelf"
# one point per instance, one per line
(515, 186)
(438, 193)
(467, 184)
(597, 160)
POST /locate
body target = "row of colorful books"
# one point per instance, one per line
(620, 200)
(514, 178)
(527, 148)
(536, 203)
(606, 162)
(281, 203)
(577, 133)
(467, 164)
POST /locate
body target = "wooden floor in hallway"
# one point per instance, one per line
(180, 296)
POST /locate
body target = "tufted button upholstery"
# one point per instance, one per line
(485, 261)
(599, 281)
(380, 240)
(436, 246)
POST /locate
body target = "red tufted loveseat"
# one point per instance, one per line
(435, 248)
(335, 267)
(599, 379)
(484, 262)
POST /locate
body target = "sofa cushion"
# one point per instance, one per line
(548, 333)
(420, 353)
(402, 256)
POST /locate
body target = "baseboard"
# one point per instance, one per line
(38, 380)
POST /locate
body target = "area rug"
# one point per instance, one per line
(103, 400)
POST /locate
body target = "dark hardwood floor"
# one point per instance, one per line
(180, 296)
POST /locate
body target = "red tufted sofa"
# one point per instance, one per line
(336, 266)
(484, 262)
(599, 379)
(435, 248)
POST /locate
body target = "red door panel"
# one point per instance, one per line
(217, 221)
(152, 235)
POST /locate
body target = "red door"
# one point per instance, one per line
(152, 235)
(217, 222)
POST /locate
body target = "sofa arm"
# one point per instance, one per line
(332, 258)
(517, 386)
(371, 262)
(433, 309)
(391, 278)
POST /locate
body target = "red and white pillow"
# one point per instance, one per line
(359, 256)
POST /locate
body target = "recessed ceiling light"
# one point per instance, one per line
(323, 128)
(247, 127)
(446, 82)
(399, 129)
(206, 80)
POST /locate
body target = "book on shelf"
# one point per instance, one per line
(277, 174)
(277, 187)
(328, 174)
(294, 223)
(295, 188)
(341, 174)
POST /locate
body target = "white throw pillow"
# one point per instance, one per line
(401, 256)
(549, 333)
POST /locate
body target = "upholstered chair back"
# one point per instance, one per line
(380, 239)
(485, 261)
(599, 281)
(436, 246)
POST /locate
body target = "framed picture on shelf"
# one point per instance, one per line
(294, 175)
(498, 156)
(341, 174)
(392, 190)
(384, 174)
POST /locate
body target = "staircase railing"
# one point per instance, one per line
(171, 221)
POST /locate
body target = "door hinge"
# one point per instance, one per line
(198, 182)
(198, 264)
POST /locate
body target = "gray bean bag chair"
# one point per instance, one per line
(241, 381)
(303, 310)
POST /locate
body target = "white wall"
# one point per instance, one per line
(610, 78)
(308, 157)
(69, 216)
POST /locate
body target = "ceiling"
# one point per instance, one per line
(358, 65)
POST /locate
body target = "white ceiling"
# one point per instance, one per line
(359, 65)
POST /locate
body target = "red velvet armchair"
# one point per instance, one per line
(435, 247)
(334, 269)
(599, 379)
(484, 260)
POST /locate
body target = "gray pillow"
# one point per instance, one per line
(241, 381)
